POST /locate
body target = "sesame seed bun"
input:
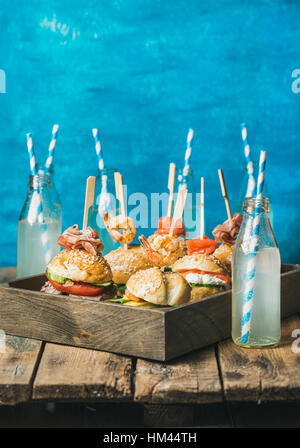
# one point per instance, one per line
(160, 288)
(202, 262)
(224, 254)
(124, 263)
(80, 266)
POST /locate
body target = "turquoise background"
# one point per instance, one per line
(143, 72)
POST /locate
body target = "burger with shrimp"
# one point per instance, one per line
(80, 269)
(206, 274)
(162, 249)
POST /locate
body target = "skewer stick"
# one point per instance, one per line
(171, 183)
(202, 209)
(224, 194)
(179, 207)
(120, 196)
(89, 198)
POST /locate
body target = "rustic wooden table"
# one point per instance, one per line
(216, 380)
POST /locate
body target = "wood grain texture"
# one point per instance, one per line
(193, 378)
(71, 373)
(159, 334)
(18, 360)
(262, 374)
(83, 323)
(290, 287)
(168, 416)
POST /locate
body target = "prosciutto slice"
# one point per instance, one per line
(227, 232)
(88, 239)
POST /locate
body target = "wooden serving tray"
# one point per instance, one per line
(158, 334)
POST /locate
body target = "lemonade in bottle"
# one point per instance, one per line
(31, 258)
(264, 312)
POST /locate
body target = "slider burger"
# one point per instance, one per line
(161, 249)
(80, 268)
(152, 286)
(227, 234)
(126, 262)
(203, 271)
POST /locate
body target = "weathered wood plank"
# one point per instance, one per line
(80, 322)
(193, 378)
(262, 374)
(160, 334)
(168, 416)
(71, 373)
(18, 360)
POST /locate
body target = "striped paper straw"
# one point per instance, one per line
(188, 153)
(251, 180)
(98, 149)
(40, 214)
(51, 148)
(251, 266)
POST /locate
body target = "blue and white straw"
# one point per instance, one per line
(251, 180)
(49, 160)
(187, 157)
(103, 200)
(251, 266)
(38, 205)
(98, 149)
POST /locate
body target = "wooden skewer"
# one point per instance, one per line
(179, 207)
(120, 196)
(89, 199)
(171, 183)
(202, 209)
(224, 194)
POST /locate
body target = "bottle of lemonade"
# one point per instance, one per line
(31, 258)
(256, 322)
(105, 201)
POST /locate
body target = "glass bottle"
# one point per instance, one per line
(256, 280)
(31, 257)
(191, 215)
(243, 192)
(105, 201)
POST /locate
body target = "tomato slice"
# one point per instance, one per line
(201, 246)
(132, 296)
(78, 288)
(223, 277)
(164, 225)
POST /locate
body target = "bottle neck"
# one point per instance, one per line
(39, 181)
(253, 206)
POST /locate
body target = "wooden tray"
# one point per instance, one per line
(158, 334)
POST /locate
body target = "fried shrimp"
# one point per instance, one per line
(163, 250)
(120, 228)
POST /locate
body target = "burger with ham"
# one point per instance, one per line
(202, 270)
(226, 234)
(80, 268)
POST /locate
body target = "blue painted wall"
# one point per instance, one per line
(144, 72)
